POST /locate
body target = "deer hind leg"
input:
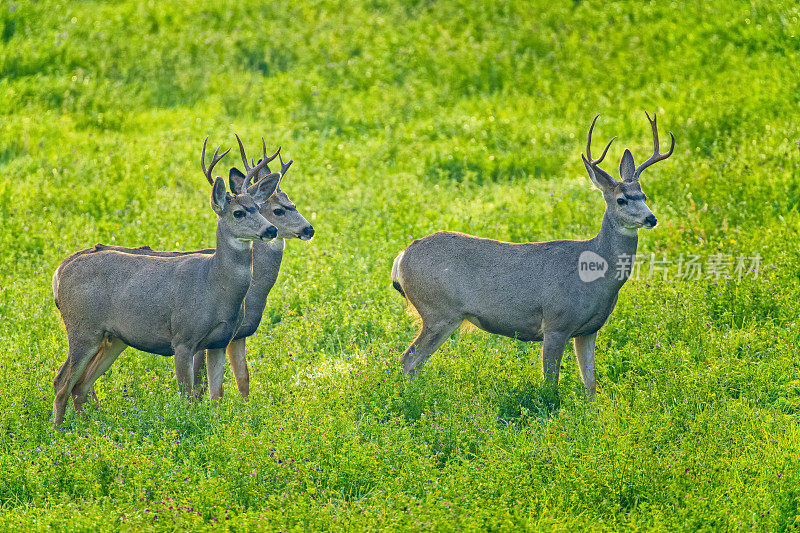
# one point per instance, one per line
(81, 350)
(100, 363)
(91, 389)
(434, 332)
(552, 351)
(199, 367)
(215, 366)
(584, 350)
(238, 361)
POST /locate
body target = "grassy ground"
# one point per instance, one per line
(406, 118)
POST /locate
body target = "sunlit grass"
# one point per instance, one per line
(404, 119)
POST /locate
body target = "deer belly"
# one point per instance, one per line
(524, 330)
(148, 345)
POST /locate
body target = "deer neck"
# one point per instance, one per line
(617, 245)
(266, 265)
(231, 268)
(267, 257)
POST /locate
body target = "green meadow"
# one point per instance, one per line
(404, 118)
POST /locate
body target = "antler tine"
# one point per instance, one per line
(241, 150)
(656, 157)
(264, 154)
(268, 158)
(595, 162)
(214, 160)
(285, 166)
(589, 146)
(264, 162)
(253, 171)
(249, 171)
(203, 161)
(273, 156)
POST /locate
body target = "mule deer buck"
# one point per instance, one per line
(281, 212)
(267, 257)
(530, 291)
(178, 305)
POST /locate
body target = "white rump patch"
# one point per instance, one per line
(396, 266)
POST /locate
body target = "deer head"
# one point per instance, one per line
(625, 201)
(238, 214)
(278, 209)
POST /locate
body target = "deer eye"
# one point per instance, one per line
(278, 212)
(622, 201)
(239, 214)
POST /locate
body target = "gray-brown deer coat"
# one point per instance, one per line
(109, 300)
(281, 212)
(530, 291)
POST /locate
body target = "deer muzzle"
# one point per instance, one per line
(270, 233)
(307, 233)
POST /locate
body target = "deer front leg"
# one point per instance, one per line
(184, 373)
(238, 361)
(584, 351)
(552, 351)
(215, 366)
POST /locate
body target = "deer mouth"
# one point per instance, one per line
(293, 235)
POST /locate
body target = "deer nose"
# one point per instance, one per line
(651, 219)
(270, 233)
(308, 231)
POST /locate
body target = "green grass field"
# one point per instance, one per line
(403, 119)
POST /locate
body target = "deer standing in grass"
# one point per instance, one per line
(267, 257)
(178, 305)
(530, 291)
(281, 212)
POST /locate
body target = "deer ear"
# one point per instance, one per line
(264, 188)
(264, 170)
(235, 180)
(219, 196)
(599, 180)
(626, 166)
